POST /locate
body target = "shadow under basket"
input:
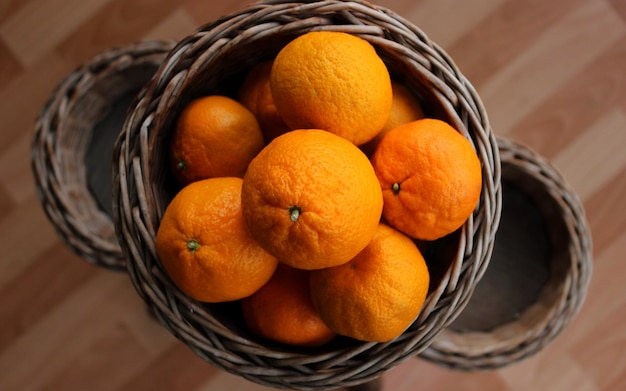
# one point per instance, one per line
(538, 275)
(214, 60)
(73, 145)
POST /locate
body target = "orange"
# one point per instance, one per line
(215, 136)
(282, 310)
(378, 294)
(255, 94)
(430, 176)
(205, 246)
(311, 199)
(405, 108)
(333, 81)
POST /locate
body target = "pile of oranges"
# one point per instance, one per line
(303, 196)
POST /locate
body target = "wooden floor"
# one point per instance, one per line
(552, 74)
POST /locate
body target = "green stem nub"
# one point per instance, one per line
(181, 165)
(294, 213)
(395, 188)
(193, 245)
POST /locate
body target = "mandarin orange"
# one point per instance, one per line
(430, 177)
(256, 95)
(378, 294)
(311, 199)
(282, 310)
(206, 248)
(405, 108)
(333, 81)
(215, 136)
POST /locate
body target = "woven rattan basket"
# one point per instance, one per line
(213, 60)
(538, 275)
(73, 144)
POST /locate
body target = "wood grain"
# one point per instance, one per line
(550, 72)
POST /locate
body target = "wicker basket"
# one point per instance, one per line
(73, 145)
(213, 60)
(538, 275)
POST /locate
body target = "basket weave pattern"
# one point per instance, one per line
(212, 61)
(563, 294)
(62, 133)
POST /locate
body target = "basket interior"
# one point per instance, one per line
(86, 129)
(113, 93)
(527, 276)
(223, 75)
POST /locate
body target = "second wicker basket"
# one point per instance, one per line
(73, 143)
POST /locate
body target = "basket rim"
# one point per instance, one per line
(476, 350)
(137, 209)
(69, 206)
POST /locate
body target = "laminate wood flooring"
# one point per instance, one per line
(552, 74)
